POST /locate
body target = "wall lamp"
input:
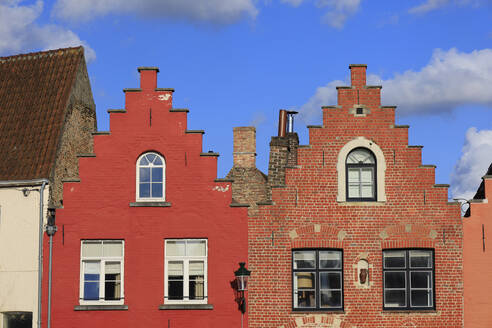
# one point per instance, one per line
(242, 276)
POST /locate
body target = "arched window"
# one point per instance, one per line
(361, 175)
(150, 177)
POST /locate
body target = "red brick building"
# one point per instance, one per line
(357, 233)
(147, 237)
(477, 261)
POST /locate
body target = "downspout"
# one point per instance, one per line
(40, 255)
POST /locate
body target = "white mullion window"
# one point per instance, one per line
(185, 272)
(101, 272)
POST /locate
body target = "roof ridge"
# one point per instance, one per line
(40, 54)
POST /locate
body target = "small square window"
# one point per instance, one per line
(359, 111)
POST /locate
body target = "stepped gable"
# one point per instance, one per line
(310, 211)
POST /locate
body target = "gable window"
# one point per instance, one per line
(408, 279)
(361, 175)
(101, 273)
(317, 279)
(150, 177)
(185, 276)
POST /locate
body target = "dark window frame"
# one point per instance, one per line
(361, 165)
(407, 270)
(317, 270)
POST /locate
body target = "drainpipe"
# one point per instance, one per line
(40, 256)
(50, 231)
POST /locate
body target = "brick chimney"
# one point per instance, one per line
(358, 74)
(244, 146)
(148, 77)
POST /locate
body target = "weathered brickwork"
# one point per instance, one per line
(309, 210)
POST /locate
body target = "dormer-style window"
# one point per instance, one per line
(361, 173)
(150, 177)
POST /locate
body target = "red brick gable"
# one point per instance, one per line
(34, 93)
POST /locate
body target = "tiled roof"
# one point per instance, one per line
(34, 92)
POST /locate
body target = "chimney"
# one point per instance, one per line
(244, 147)
(290, 121)
(148, 77)
(358, 74)
(282, 122)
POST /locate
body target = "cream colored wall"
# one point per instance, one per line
(19, 243)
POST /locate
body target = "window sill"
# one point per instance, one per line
(150, 204)
(101, 307)
(401, 311)
(318, 311)
(361, 203)
(186, 307)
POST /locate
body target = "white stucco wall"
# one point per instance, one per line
(19, 243)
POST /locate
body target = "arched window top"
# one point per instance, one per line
(361, 156)
(361, 167)
(151, 177)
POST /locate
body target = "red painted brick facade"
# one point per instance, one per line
(99, 206)
(310, 211)
(477, 261)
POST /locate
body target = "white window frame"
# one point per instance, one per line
(151, 199)
(361, 142)
(102, 279)
(186, 261)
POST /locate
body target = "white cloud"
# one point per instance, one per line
(20, 32)
(214, 11)
(476, 158)
(450, 79)
(338, 11)
(294, 3)
(427, 6)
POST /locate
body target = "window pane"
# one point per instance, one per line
(421, 298)
(112, 283)
(175, 288)
(113, 249)
(150, 157)
(305, 299)
(330, 280)
(366, 175)
(394, 259)
(91, 249)
(197, 277)
(304, 280)
(353, 191)
(144, 174)
(304, 260)
(353, 176)
(91, 280)
(175, 269)
(196, 248)
(158, 161)
(175, 248)
(420, 259)
(157, 174)
(17, 320)
(144, 161)
(157, 190)
(394, 298)
(331, 298)
(420, 280)
(367, 191)
(394, 279)
(330, 259)
(360, 156)
(144, 190)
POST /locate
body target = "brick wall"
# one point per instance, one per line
(414, 213)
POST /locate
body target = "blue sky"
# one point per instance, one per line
(237, 62)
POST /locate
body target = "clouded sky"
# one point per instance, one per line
(237, 62)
